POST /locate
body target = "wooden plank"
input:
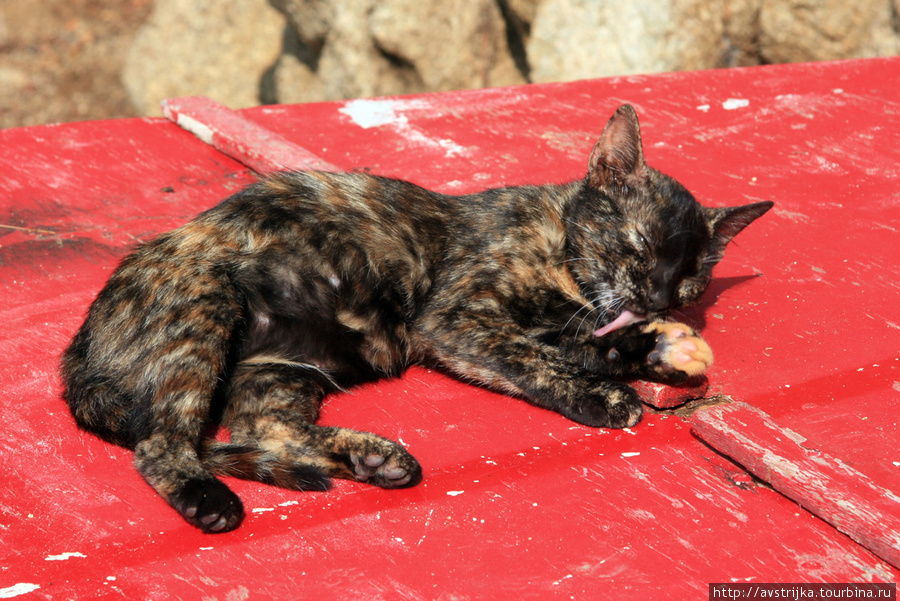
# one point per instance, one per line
(233, 134)
(824, 485)
(663, 396)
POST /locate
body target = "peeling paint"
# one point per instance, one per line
(201, 130)
(735, 103)
(368, 113)
(15, 590)
(64, 556)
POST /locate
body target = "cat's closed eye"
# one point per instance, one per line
(646, 248)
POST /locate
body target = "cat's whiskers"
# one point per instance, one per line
(713, 259)
(575, 259)
(591, 308)
(574, 315)
(614, 308)
(591, 301)
(590, 232)
(677, 233)
(605, 301)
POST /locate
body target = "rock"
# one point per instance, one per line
(292, 80)
(574, 39)
(451, 45)
(798, 30)
(360, 48)
(241, 53)
(329, 55)
(351, 65)
(12, 79)
(741, 22)
(309, 19)
(524, 10)
(218, 49)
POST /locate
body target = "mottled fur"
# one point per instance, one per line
(305, 283)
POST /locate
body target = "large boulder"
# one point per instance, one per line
(244, 52)
(453, 44)
(575, 39)
(799, 30)
(353, 48)
(219, 49)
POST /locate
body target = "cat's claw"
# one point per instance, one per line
(679, 350)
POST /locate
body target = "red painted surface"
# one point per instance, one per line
(516, 502)
(825, 485)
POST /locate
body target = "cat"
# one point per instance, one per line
(305, 283)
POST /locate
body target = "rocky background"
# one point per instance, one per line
(64, 60)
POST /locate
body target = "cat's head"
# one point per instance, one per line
(639, 243)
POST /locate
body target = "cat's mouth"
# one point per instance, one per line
(625, 318)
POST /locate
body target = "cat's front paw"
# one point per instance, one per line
(610, 405)
(680, 353)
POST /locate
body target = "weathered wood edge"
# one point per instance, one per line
(837, 493)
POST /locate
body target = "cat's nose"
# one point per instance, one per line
(659, 299)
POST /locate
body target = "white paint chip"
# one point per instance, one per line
(735, 103)
(64, 556)
(372, 113)
(262, 509)
(635, 454)
(368, 113)
(22, 588)
(704, 108)
(201, 130)
(455, 493)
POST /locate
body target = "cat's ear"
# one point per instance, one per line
(728, 222)
(618, 157)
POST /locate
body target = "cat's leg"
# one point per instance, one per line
(167, 455)
(271, 407)
(183, 361)
(493, 350)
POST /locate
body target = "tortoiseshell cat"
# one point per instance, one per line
(305, 283)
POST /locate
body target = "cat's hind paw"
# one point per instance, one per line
(678, 349)
(385, 464)
(208, 505)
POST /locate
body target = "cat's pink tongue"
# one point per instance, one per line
(625, 319)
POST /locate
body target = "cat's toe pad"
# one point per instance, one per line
(678, 348)
(391, 467)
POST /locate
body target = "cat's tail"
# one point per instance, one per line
(252, 462)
